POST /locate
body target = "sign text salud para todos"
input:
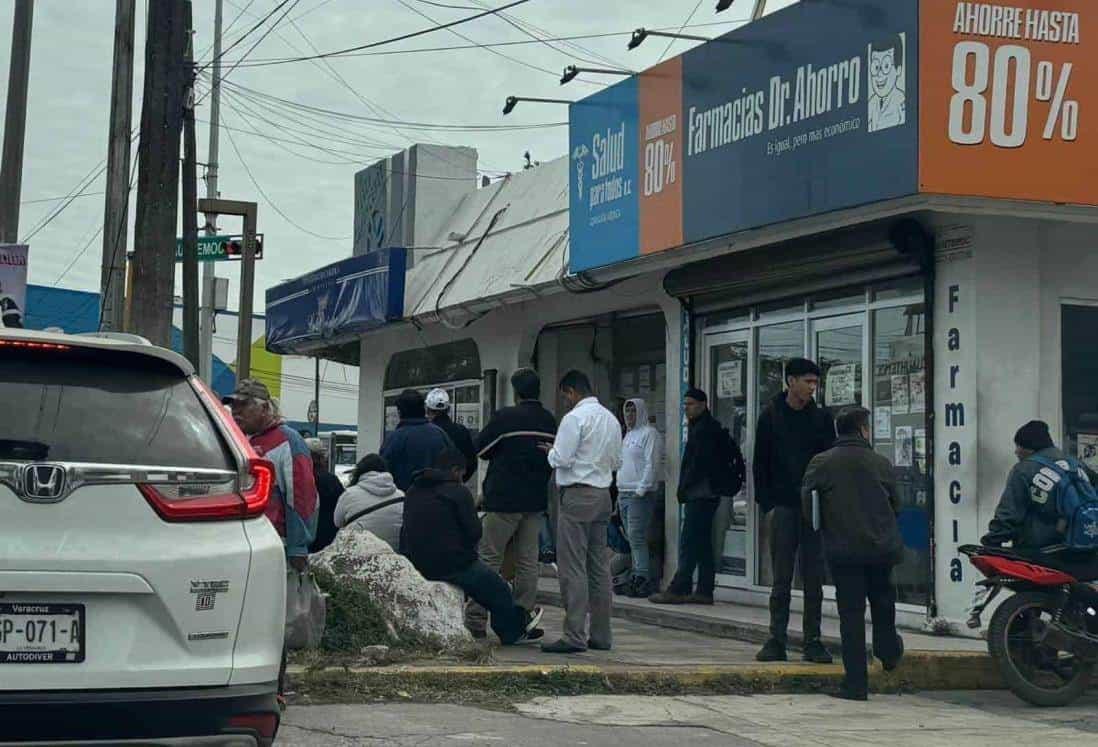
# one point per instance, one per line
(824, 106)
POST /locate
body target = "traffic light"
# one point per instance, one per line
(234, 248)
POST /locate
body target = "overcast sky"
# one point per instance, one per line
(70, 90)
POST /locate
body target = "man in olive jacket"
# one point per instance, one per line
(858, 504)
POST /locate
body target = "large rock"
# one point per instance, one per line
(414, 610)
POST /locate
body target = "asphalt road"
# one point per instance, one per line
(950, 719)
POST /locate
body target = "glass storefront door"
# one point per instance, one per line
(727, 364)
(869, 345)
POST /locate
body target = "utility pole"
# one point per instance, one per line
(112, 282)
(15, 123)
(206, 321)
(190, 203)
(158, 172)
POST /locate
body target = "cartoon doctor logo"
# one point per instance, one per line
(887, 83)
(579, 155)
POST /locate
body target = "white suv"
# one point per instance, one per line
(142, 590)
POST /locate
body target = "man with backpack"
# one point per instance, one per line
(1031, 512)
(712, 466)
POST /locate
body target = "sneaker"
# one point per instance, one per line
(597, 646)
(623, 590)
(668, 597)
(547, 558)
(815, 652)
(845, 694)
(773, 650)
(532, 620)
(638, 589)
(534, 635)
(700, 598)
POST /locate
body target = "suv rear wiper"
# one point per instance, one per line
(29, 451)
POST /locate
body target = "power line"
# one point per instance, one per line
(267, 199)
(403, 37)
(672, 41)
(58, 199)
(248, 33)
(260, 39)
(268, 61)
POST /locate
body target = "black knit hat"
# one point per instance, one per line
(1034, 436)
(696, 394)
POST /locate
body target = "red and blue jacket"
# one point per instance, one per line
(293, 505)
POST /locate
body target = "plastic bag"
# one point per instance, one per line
(306, 610)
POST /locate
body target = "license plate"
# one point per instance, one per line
(32, 633)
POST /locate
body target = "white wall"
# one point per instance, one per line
(1008, 317)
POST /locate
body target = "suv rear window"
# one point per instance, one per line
(104, 407)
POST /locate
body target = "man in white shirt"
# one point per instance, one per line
(585, 454)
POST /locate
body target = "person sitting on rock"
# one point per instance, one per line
(441, 534)
(371, 485)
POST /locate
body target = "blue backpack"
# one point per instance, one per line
(1076, 500)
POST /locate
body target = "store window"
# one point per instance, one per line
(453, 366)
(870, 345)
(1079, 368)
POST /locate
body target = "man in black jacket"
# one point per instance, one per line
(416, 442)
(712, 466)
(858, 503)
(438, 412)
(516, 489)
(441, 532)
(792, 429)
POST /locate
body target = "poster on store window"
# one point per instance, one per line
(468, 415)
(920, 450)
(842, 385)
(730, 380)
(905, 446)
(882, 423)
(901, 403)
(1088, 450)
(917, 382)
(13, 284)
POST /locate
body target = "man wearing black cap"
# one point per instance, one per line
(1025, 516)
(712, 466)
(792, 429)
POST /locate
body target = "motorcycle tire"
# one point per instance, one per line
(1015, 680)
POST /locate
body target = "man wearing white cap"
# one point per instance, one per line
(438, 412)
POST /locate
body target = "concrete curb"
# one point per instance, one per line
(919, 671)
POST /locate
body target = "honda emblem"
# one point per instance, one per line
(44, 482)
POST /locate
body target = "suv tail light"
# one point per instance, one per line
(217, 501)
(214, 501)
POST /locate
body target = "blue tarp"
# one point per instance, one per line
(336, 303)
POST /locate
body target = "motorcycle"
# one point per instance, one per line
(1044, 638)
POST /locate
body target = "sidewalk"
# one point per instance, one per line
(646, 659)
(741, 622)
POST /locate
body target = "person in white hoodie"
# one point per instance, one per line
(638, 479)
(371, 484)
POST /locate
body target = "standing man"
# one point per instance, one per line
(637, 481)
(416, 443)
(329, 489)
(858, 503)
(438, 412)
(792, 429)
(712, 466)
(293, 504)
(516, 490)
(585, 454)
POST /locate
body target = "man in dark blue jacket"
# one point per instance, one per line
(416, 443)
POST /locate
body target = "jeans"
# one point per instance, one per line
(547, 545)
(793, 539)
(696, 549)
(521, 532)
(853, 584)
(636, 515)
(489, 590)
